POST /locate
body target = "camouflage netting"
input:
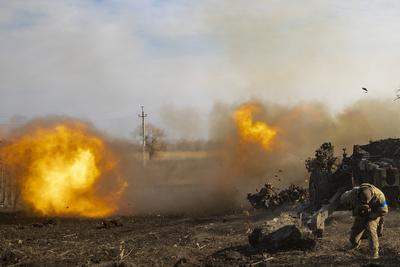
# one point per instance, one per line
(389, 148)
(324, 159)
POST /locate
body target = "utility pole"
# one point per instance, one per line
(143, 116)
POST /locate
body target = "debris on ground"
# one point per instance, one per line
(8, 257)
(45, 223)
(109, 223)
(180, 262)
(270, 198)
(113, 264)
(37, 225)
(267, 197)
(293, 194)
(50, 222)
(285, 238)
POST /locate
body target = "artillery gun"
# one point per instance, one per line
(377, 163)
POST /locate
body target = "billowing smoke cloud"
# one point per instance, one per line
(182, 122)
(66, 57)
(301, 130)
(218, 179)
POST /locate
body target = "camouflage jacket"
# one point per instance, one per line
(377, 204)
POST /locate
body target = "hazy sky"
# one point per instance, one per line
(102, 60)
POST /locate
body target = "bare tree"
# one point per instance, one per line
(155, 139)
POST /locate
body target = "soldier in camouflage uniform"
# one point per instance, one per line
(369, 206)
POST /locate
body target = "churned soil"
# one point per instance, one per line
(156, 240)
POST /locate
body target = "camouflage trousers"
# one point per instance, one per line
(369, 227)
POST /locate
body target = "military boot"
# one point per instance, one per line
(375, 255)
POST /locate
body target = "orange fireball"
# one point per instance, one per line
(254, 131)
(59, 170)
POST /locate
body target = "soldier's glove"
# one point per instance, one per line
(363, 210)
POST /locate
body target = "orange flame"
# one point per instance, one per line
(254, 132)
(61, 168)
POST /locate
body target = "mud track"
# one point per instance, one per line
(175, 240)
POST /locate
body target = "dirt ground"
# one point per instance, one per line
(156, 240)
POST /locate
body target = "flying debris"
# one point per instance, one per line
(365, 89)
(268, 197)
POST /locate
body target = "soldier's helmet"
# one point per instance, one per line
(365, 194)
